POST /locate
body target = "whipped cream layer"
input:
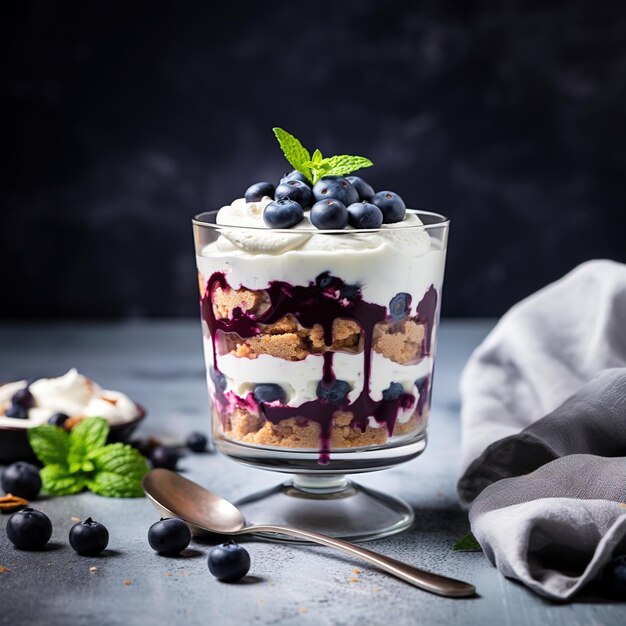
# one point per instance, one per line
(72, 394)
(398, 257)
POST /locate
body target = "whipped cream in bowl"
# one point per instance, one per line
(73, 394)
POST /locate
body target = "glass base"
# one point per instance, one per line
(331, 505)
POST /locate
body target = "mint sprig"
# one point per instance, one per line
(81, 460)
(316, 166)
(467, 543)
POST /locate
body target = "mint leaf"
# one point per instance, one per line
(50, 443)
(344, 164)
(317, 156)
(467, 543)
(115, 485)
(119, 458)
(57, 481)
(293, 150)
(85, 437)
(119, 470)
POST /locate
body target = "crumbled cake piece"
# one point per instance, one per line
(225, 301)
(401, 342)
(201, 285)
(288, 340)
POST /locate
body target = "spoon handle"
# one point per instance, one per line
(435, 583)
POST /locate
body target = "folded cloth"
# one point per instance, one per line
(549, 492)
(541, 352)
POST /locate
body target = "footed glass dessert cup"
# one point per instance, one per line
(319, 349)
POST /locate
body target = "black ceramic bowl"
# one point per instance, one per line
(14, 444)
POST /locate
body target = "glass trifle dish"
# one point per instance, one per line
(320, 306)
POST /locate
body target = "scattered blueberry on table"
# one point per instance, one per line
(21, 479)
(89, 538)
(164, 457)
(29, 529)
(169, 537)
(197, 442)
(229, 562)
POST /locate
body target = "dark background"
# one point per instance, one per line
(120, 121)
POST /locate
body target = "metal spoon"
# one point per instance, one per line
(176, 496)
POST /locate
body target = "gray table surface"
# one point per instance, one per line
(160, 365)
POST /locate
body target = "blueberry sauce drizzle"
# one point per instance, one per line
(321, 302)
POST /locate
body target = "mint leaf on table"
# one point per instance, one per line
(467, 543)
(86, 436)
(316, 166)
(115, 485)
(83, 460)
(50, 443)
(57, 480)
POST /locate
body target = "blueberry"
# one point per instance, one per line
(364, 190)
(324, 280)
(615, 575)
(364, 215)
(219, 380)
(24, 398)
(145, 446)
(165, 457)
(256, 192)
(89, 538)
(391, 205)
(197, 442)
(283, 213)
(349, 292)
(29, 529)
(393, 392)
(295, 175)
(21, 479)
(335, 392)
(169, 536)
(295, 190)
(269, 392)
(58, 419)
(399, 306)
(229, 562)
(330, 213)
(16, 411)
(335, 187)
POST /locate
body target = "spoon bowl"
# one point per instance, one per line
(206, 512)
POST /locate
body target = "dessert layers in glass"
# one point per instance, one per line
(317, 340)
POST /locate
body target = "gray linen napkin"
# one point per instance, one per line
(549, 501)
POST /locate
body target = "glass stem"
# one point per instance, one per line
(311, 483)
